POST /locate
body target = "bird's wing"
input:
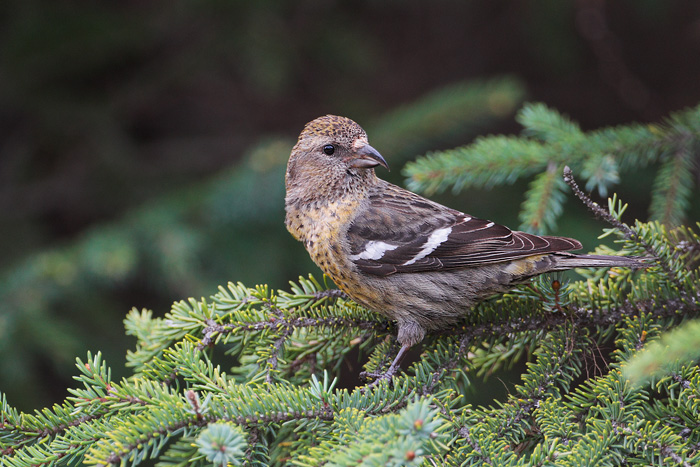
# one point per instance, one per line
(398, 231)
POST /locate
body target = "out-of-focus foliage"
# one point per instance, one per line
(664, 357)
(552, 141)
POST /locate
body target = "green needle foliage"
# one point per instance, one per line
(550, 141)
(248, 375)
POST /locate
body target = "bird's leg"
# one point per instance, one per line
(410, 333)
(393, 368)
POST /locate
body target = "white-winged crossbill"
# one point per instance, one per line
(399, 254)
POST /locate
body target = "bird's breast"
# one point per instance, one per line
(322, 227)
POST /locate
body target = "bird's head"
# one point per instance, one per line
(332, 152)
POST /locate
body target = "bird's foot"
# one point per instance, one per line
(378, 377)
(389, 373)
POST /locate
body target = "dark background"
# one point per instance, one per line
(142, 143)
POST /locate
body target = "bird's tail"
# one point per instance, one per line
(571, 261)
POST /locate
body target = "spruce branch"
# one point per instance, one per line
(540, 382)
(577, 315)
(673, 186)
(600, 156)
(509, 422)
(465, 433)
(653, 442)
(595, 208)
(276, 349)
(543, 201)
(286, 326)
(623, 228)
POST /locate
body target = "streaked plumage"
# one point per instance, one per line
(397, 253)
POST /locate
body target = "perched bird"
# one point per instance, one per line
(399, 254)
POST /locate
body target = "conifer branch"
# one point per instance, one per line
(543, 201)
(465, 433)
(673, 186)
(595, 208)
(650, 444)
(580, 317)
(623, 228)
(599, 156)
(276, 348)
(286, 326)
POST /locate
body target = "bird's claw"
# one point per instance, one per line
(377, 378)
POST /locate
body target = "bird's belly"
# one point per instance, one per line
(435, 300)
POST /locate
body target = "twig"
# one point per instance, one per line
(277, 346)
(627, 232)
(597, 210)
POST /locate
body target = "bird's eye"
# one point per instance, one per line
(329, 149)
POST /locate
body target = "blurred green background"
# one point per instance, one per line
(143, 143)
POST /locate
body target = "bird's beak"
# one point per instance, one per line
(365, 157)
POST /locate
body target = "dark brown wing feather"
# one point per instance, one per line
(401, 232)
